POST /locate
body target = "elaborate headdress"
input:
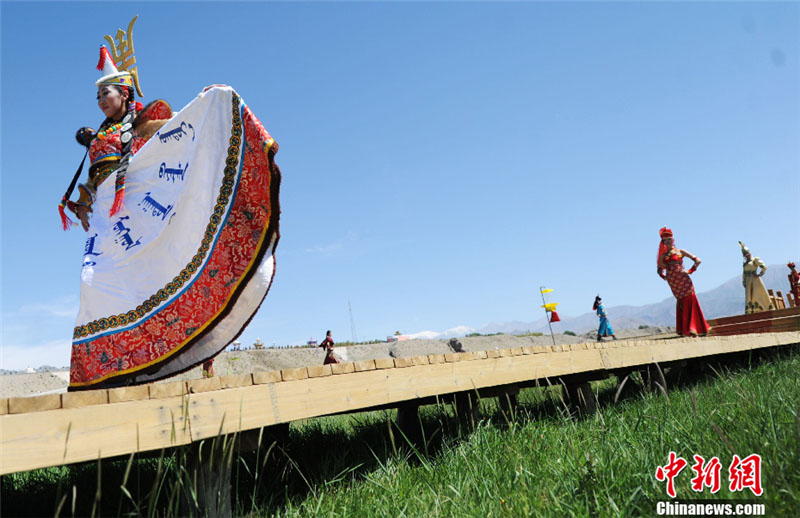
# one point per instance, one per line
(745, 250)
(662, 248)
(111, 75)
(597, 301)
(790, 265)
(119, 66)
(119, 69)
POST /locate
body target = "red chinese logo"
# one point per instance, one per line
(746, 473)
(670, 471)
(743, 473)
(707, 474)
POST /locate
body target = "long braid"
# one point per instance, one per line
(127, 145)
(84, 136)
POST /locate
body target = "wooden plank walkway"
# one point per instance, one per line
(57, 429)
(763, 322)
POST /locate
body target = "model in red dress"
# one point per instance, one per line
(794, 283)
(689, 319)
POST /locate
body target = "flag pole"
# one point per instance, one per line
(541, 290)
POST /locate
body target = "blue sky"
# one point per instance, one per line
(441, 161)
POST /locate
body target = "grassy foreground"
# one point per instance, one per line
(540, 462)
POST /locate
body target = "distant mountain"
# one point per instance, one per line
(724, 300)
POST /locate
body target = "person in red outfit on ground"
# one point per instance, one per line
(327, 344)
(688, 315)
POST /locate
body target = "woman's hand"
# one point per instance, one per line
(82, 212)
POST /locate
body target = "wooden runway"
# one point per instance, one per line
(58, 429)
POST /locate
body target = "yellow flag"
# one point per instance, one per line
(550, 306)
(547, 290)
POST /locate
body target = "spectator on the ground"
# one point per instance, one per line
(327, 344)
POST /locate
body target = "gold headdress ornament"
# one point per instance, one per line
(123, 69)
(745, 250)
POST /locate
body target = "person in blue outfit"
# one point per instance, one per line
(605, 327)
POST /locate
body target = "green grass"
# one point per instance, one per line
(546, 464)
(541, 462)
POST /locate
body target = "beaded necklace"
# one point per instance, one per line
(111, 129)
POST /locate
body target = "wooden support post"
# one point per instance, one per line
(506, 396)
(508, 401)
(653, 377)
(408, 421)
(207, 484)
(263, 438)
(676, 373)
(779, 300)
(467, 406)
(508, 404)
(207, 479)
(579, 397)
(689, 371)
(772, 299)
(626, 386)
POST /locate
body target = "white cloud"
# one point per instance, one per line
(38, 333)
(53, 352)
(337, 245)
(458, 331)
(66, 306)
(447, 333)
(425, 335)
(325, 249)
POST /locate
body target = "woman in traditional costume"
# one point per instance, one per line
(605, 327)
(327, 345)
(756, 297)
(794, 284)
(180, 248)
(124, 131)
(689, 318)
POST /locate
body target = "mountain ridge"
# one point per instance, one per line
(724, 300)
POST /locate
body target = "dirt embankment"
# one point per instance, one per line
(243, 362)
